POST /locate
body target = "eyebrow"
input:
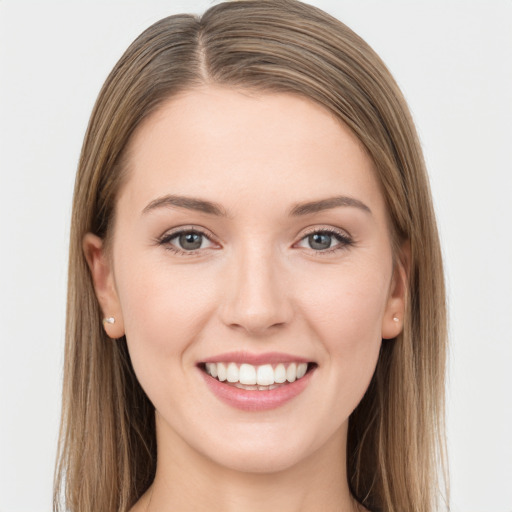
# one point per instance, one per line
(189, 203)
(211, 208)
(327, 204)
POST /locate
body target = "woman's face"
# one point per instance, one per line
(251, 236)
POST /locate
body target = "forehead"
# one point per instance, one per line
(224, 142)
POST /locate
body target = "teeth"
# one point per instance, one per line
(221, 371)
(291, 373)
(211, 369)
(301, 370)
(279, 373)
(264, 377)
(232, 374)
(245, 386)
(247, 374)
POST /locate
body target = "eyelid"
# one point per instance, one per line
(344, 238)
(325, 229)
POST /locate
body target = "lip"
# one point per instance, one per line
(255, 359)
(247, 400)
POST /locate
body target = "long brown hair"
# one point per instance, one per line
(107, 449)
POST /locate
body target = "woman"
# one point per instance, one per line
(256, 314)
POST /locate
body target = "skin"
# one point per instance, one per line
(257, 285)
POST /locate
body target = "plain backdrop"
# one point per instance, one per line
(453, 61)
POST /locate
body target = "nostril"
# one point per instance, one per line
(257, 304)
(256, 324)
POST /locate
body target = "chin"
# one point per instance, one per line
(263, 449)
(266, 461)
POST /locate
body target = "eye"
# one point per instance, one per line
(325, 240)
(190, 241)
(186, 241)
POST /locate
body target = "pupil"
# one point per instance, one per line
(191, 241)
(320, 241)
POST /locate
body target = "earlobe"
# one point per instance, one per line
(393, 320)
(104, 284)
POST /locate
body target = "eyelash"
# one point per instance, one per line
(343, 238)
(166, 239)
(345, 241)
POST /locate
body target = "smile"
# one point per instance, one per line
(262, 378)
(256, 382)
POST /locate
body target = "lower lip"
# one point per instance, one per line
(248, 400)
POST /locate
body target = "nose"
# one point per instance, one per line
(257, 296)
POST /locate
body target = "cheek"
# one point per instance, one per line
(347, 304)
(164, 310)
(345, 315)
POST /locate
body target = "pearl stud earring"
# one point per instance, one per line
(109, 320)
(396, 319)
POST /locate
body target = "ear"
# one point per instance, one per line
(104, 284)
(393, 320)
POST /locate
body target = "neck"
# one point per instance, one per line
(187, 481)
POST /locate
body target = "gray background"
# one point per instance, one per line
(453, 61)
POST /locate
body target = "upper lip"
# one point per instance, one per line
(255, 359)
